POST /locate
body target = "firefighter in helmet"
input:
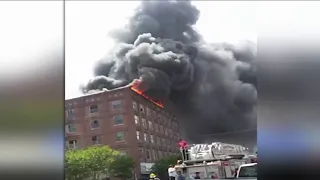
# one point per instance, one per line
(152, 176)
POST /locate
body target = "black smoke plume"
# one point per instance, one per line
(212, 85)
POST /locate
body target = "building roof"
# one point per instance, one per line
(95, 92)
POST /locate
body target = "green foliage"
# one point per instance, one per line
(94, 161)
(161, 166)
(122, 167)
(75, 165)
(99, 158)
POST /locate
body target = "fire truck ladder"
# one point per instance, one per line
(197, 150)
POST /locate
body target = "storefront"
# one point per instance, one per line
(146, 168)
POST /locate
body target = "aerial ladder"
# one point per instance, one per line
(215, 160)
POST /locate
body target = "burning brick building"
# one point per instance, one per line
(125, 120)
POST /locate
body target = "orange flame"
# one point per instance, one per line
(134, 87)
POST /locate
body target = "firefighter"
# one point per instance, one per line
(183, 148)
(235, 172)
(178, 166)
(180, 176)
(197, 176)
(152, 176)
(172, 173)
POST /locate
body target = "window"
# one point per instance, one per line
(136, 119)
(123, 152)
(141, 109)
(156, 128)
(138, 135)
(144, 122)
(118, 120)
(163, 142)
(93, 108)
(165, 120)
(248, 171)
(118, 94)
(160, 154)
(94, 124)
(120, 136)
(161, 129)
(150, 125)
(116, 104)
(148, 154)
(151, 139)
(158, 141)
(141, 154)
(72, 144)
(145, 137)
(154, 155)
(158, 116)
(141, 150)
(96, 140)
(134, 105)
(70, 113)
(72, 128)
(148, 111)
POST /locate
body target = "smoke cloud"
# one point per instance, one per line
(212, 85)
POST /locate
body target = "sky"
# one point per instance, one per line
(87, 24)
(25, 34)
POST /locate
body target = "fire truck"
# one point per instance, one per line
(215, 161)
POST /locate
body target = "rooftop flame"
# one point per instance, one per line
(134, 87)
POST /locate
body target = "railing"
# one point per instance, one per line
(217, 150)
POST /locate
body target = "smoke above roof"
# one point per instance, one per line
(212, 85)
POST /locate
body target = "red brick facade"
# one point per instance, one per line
(125, 121)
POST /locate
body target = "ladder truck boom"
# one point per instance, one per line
(215, 160)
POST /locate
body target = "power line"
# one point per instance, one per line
(226, 133)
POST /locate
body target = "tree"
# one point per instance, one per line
(122, 167)
(75, 163)
(90, 162)
(99, 159)
(161, 166)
